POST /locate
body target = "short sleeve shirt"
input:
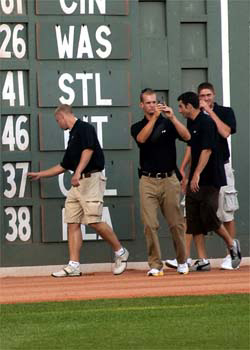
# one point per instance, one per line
(158, 153)
(83, 136)
(226, 114)
(204, 135)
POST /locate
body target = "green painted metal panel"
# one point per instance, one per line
(83, 87)
(170, 46)
(113, 130)
(17, 8)
(82, 41)
(124, 225)
(82, 7)
(14, 88)
(57, 187)
(15, 131)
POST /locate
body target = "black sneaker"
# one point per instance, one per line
(235, 254)
(200, 265)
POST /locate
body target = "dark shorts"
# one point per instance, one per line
(201, 210)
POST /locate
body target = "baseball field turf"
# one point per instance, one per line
(190, 322)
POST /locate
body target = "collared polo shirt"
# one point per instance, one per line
(83, 136)
(204, 135)
(158, 153)
(226, 114)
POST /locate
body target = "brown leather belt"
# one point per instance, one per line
(157, 175)
(90, 173)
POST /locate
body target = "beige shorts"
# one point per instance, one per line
(228, 200)
(84, 203)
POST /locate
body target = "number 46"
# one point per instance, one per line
(21, 138)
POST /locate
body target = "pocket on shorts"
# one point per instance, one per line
(93, 208)
(231, 202)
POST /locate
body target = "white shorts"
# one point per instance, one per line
(228, 200)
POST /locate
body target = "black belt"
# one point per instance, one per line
(90, 173)
(157, 175)
(226, 161)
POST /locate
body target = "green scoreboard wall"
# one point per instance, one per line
(95, 55)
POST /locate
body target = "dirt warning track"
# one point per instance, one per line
(131, 284)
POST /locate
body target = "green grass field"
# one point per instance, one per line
(208, 322)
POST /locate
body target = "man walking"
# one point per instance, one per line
(225, 121)
(159, 187)
(84, 202)
(207, 175)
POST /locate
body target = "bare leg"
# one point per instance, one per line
(199, 241)
(74, 241)
(189, 239)
(230, 227)
(107, 234)
(225, 235)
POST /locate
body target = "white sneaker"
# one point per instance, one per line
(120, 264)
(183, 269)
(227, 263)
(68, 271)
(172, 263)
(155, 272)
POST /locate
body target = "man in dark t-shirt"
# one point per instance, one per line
(84, 202)
(159, 187)
(206, 176)
(225, 121)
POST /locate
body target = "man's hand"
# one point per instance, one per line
(75, 179)
(205, 106)
(34, 176)
(194, 185)
(166, 110)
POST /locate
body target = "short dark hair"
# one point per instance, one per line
(146, 91)
(205, 85)
(190, 97)
(64, 108)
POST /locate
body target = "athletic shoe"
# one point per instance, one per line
(68, 271)
(174, 264)
(227, 263)
(183, 269)
(155, 272)
(235, 254)
(201, 265)
(120, 264)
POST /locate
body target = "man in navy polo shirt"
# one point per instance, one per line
(84, 201)
(207, 175)
(159, 187)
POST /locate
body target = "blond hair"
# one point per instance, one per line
(64, 108)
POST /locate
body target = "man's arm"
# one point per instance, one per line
(147, 130)
(186, 160)
(55, 170)
(204, 157)
(223, 129)
(84, 160)
(180, 128)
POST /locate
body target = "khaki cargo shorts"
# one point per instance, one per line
(228, 200)
(84, 203)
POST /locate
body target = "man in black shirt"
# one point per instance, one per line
(155, 136)
(225, 121)
(206, 176)
(84, 202)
